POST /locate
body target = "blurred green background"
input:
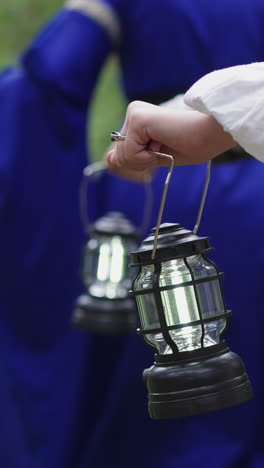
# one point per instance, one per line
(19, 21)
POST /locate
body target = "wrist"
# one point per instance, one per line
(218, 139)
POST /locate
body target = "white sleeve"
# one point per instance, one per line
(177, 103)
(235, 98)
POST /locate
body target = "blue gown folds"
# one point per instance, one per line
(71, 399)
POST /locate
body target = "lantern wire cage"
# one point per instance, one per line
(157, 290)
(200, 323)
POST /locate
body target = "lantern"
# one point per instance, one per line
(105, 306)
(183, 315)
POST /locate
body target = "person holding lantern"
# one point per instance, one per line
(74, 399)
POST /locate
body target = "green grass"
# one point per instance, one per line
(108, 109)
(19, 21)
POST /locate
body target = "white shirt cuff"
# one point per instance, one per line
(235, 98)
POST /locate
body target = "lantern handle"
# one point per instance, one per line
(88, 171)
(163, 198)
(204, 194)
(93, 169)
(116, 136)
(164, 194)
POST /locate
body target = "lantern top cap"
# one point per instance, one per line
(174, 241)
(167, 227)
(114, 223)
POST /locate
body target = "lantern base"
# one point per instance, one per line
(105, 316)
(210, 379)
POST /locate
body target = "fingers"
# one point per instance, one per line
(139, 168)
(144, 128)
(131, 155)
(136, 175)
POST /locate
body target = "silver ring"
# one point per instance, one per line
(116, 136)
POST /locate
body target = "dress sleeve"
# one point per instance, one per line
(235, 98)
(68, 53)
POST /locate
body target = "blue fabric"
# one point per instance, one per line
(169, 45)
(70, 399)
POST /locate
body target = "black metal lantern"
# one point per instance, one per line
(106, 306)
(183, 315)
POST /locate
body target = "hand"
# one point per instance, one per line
(189, 136)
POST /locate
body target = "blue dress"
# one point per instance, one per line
(71, 399)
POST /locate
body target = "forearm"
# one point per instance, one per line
(192, 137)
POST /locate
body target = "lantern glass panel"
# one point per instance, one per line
(180, 304)
(148, 313)
(105, 270)
(149, 317)
(210, 298)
